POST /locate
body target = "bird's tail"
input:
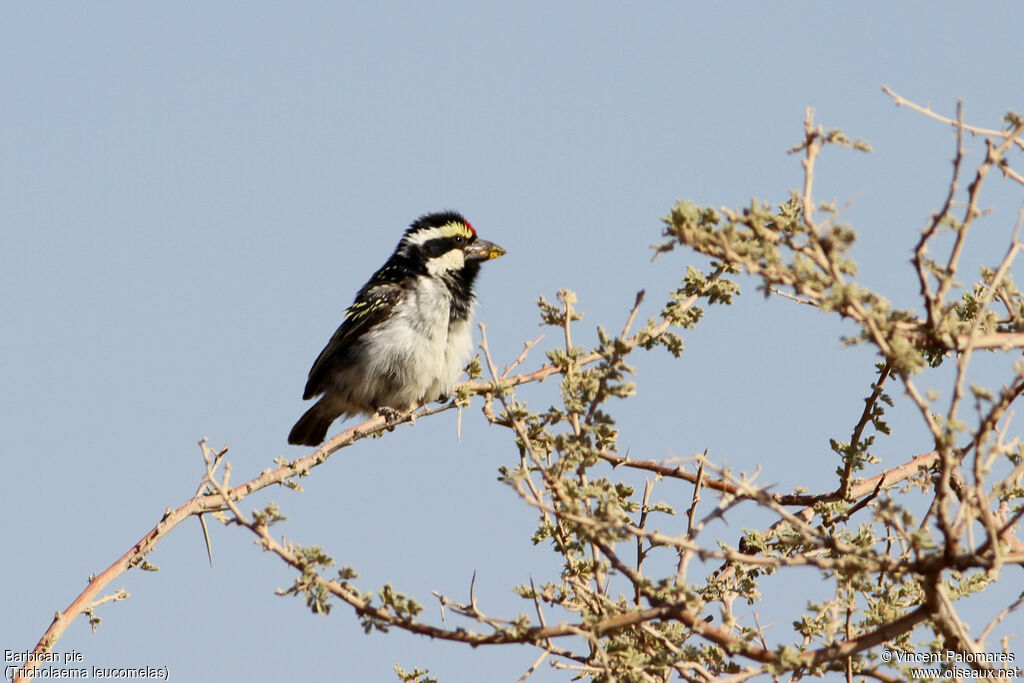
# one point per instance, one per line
(311, 429)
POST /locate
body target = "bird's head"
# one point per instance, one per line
(445, 242)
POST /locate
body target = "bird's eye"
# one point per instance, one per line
(459, 239)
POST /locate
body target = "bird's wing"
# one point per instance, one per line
(373, 305)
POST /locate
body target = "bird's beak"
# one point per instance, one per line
(482, 250)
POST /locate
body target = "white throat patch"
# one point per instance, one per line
(446, 263)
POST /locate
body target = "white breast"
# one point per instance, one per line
(412, 356)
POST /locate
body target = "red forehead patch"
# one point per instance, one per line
(471, 228)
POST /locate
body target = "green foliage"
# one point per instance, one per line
(268, 516)
(414, 676)
(394, 603)
(310, 560)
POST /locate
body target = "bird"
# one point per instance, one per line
(407, 334)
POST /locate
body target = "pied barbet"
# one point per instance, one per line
(407, 334)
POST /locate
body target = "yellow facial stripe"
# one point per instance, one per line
(456, 229)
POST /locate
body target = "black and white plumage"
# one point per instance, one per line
(407, 334)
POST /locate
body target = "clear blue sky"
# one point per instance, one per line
(192, 192)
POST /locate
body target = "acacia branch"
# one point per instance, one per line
(927, 111)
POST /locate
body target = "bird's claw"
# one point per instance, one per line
(389, 413)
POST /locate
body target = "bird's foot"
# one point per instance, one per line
(389, 413)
